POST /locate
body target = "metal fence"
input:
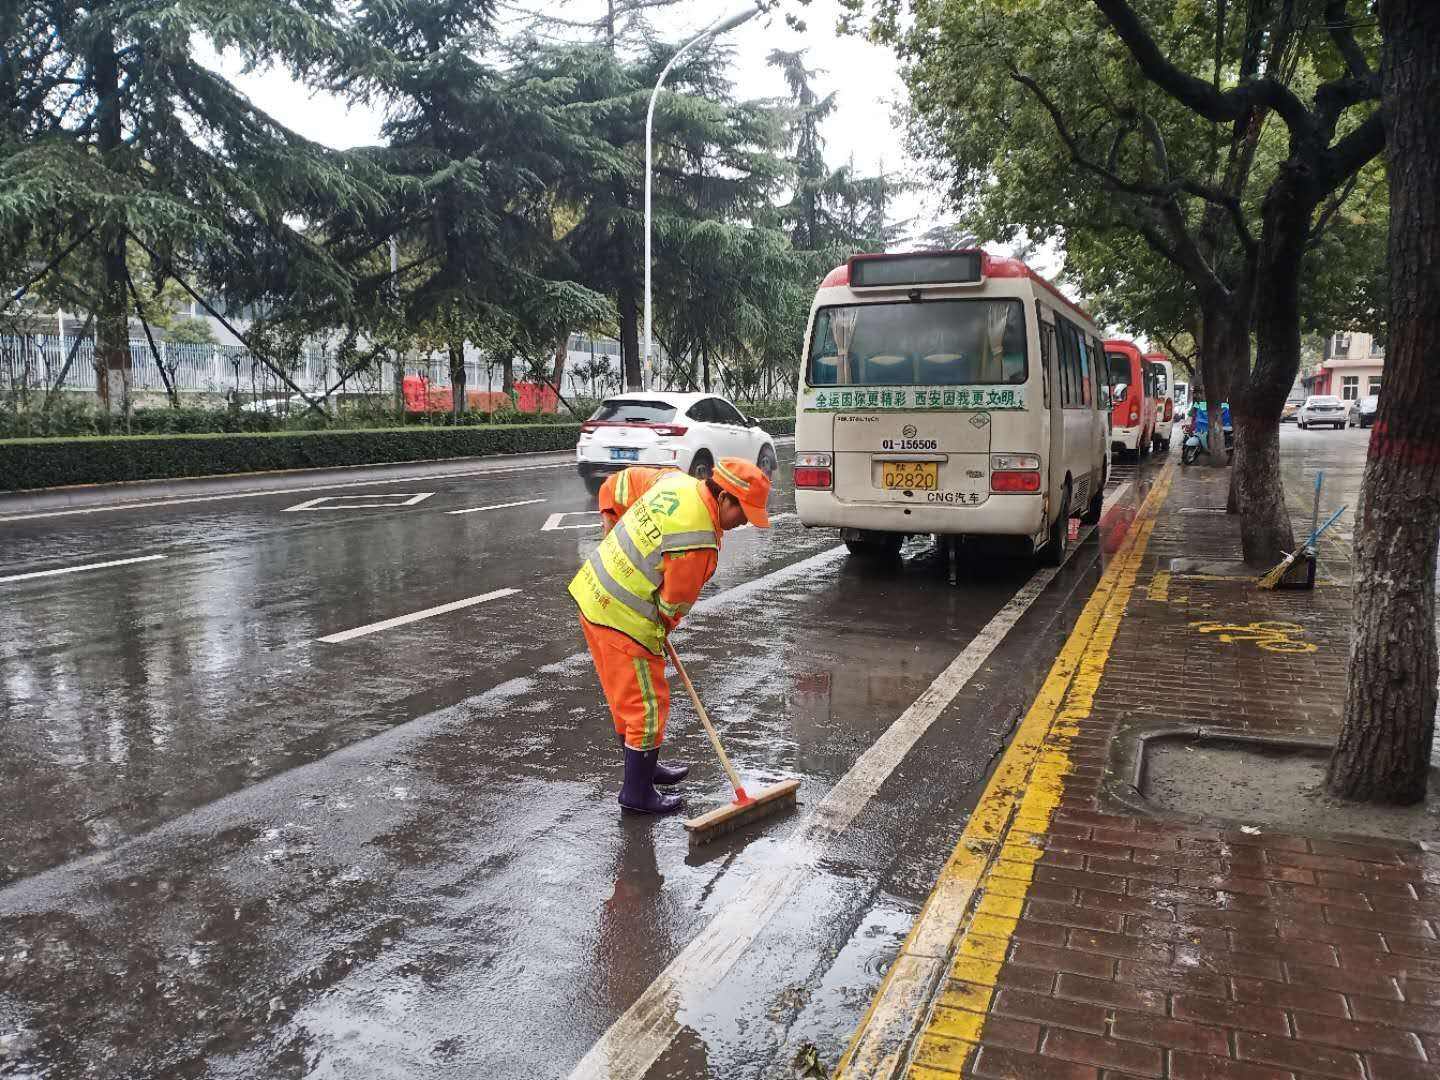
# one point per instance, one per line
(42, 363)
(38, 363)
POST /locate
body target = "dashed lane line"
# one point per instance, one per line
(78, 569)
(496, 506)
(416, 616)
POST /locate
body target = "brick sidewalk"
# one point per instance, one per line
(1071, 937)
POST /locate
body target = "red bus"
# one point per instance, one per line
(1132, 400)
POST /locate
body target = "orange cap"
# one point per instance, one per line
(749, 484)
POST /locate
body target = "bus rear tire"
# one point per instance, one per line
(1096, 508)
(1053, 553)
(875, 547)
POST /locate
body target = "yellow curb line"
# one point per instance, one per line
(995, 856)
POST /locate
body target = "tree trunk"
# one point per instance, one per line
(562, 354)
(1224, 349)
(507, 376)
(1265, 532)
(705, 366)
(1265, 528)
(112, 331)
(112, 328)
(1384, 750)
(630, 337)
(459, 403)
(399, 360)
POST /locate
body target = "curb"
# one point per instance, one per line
(956, 936)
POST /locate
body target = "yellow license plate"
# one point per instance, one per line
(910, 475)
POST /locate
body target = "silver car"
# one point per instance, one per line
(1322, 409)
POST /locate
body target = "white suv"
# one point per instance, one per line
(1322, 409)
(687, 431)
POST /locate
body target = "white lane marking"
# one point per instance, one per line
(281, 491)
(416, 616)
(552, 523)
(1114, 496)
(497, 506)
(633, 1044)
(315, 504)
(85, 566)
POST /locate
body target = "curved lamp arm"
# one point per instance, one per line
(712, 31)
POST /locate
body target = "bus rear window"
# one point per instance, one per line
(634, 411)
(1119, 375)
(935, 342)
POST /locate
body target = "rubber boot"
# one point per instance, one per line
(638, 793)
(666, 775)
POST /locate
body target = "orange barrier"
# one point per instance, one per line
(422, 396)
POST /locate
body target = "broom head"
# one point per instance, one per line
(1276, 574)
(736, 815)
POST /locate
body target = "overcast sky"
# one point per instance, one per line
(864, 77)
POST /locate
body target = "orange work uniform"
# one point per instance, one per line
(633, 677)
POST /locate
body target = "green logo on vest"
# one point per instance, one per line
(666, 502)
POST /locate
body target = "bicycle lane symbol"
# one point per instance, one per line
(1270, 636)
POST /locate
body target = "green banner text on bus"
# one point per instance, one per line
(919, 397)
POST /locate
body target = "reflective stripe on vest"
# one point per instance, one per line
(619, 584)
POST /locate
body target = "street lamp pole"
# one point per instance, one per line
(714, 30)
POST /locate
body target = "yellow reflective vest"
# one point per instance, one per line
(619, 584)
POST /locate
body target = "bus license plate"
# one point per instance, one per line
(910, 475)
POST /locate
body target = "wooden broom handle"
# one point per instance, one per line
(740, 795)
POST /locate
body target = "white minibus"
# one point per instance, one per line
(953, 393)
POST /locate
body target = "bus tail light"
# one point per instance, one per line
(813, 472)
(1026, 480)
(1013, 462)
(1169, 410)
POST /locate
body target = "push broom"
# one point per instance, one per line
(746, 808)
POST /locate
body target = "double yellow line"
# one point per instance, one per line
(957, 938)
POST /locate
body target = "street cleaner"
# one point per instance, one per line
(634, 589)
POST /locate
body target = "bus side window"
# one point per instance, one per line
(1069, 365)
(1098, 369)
(1082, 350)
(1047, 353)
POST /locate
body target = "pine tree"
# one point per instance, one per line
(478, 153)
(715, 162)
(115, 139)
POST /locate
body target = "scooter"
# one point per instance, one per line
(1197, 441)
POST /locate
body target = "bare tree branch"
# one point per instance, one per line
(1327, 215)
(1197, 94)
(1180, 247)
(1342, 32)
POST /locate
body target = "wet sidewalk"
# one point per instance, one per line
(1097, 922)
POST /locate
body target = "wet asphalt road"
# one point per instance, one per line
(232, 849)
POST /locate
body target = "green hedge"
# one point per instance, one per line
(40, 463)
(778, 425)
(70, 420)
